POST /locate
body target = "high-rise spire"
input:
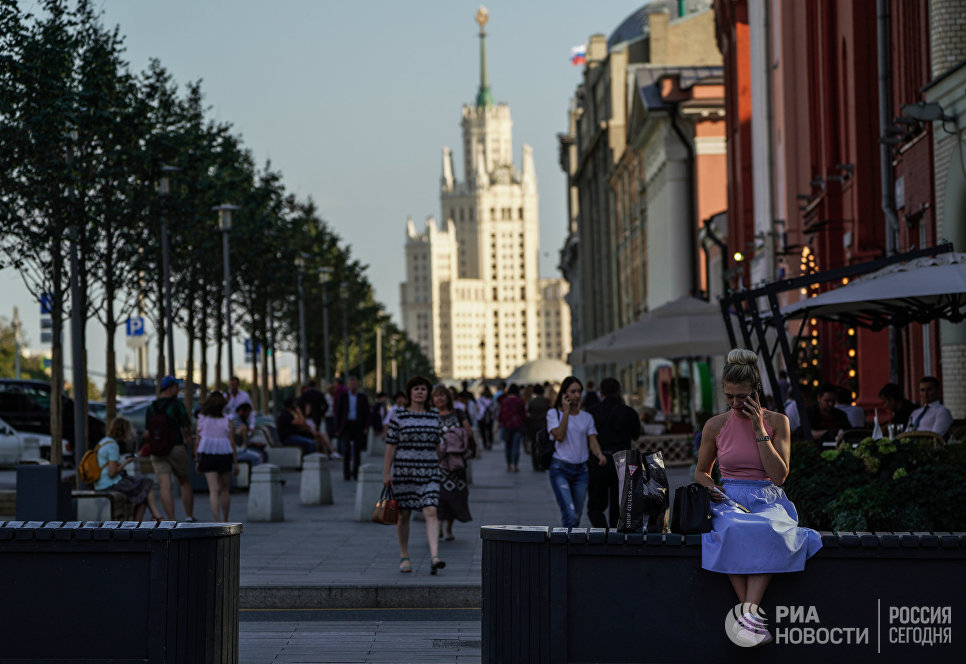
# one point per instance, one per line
(484, 97)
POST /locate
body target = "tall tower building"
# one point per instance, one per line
(473, 298)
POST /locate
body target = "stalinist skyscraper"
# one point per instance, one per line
(473, 298)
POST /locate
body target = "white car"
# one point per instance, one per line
(11, 446)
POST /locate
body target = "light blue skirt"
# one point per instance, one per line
(766, 541)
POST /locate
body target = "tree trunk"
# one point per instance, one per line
(254, 363)
(110, 326)
(160, 371)
(57, 357)
(203, 342)
(219, 338)
(264, 359)
(189, 379)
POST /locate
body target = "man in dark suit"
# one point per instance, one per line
(618, 426)
(352, 420)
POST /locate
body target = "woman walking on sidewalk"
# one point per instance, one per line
(412, 468)
(575, 438)
(454, 492)
(215, 453)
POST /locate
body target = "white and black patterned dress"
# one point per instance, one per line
(415, 468)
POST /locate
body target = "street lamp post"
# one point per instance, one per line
(303, 346)
(344, 289)
(379, 354)
(225, 211)
(324, 273)
(164, 189)
(483, 360)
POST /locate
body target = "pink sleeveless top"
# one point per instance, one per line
(738, 456)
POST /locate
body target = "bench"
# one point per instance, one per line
(597, 595)
(102, 505)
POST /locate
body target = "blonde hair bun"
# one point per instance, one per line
(742, 356)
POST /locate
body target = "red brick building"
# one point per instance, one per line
(806, 187)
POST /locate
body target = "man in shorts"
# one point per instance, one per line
(176, 461)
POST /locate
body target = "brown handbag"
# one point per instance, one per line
(386, 510)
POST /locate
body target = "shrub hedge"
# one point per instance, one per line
(886, 485)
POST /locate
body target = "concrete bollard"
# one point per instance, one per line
(265, 494)
(315, 484)
(376, 446)
(368, 489)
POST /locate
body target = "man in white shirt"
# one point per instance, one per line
(236, 397)
(932, 416)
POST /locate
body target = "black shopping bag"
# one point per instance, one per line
(692, 510)
(643, 489)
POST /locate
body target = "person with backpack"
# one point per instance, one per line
(454, 489)
(537, 408)
(166, 434)
(618, 426)
(485, 409)
(215, 454)
(109, 470)
(513, 420)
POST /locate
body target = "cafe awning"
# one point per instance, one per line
(686, 327)
(915, 291)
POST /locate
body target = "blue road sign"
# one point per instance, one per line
(135, 327)
(248, 347)
(46, 303)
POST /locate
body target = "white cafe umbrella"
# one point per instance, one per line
(686, 327)
(540, 370)
(919, 290)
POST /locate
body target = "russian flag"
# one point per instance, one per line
(578, 55)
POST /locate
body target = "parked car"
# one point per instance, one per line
(25, 406)
(11, 446)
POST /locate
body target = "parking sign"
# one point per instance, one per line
(135, 327)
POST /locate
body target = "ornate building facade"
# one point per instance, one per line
(473, 298)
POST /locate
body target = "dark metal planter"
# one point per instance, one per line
(119, 592)
(592, 595)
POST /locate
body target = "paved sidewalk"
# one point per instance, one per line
(320, 639)
(321, 557)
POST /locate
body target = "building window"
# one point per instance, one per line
(520, 211)
(493, 213)
(495, 294)
(523, 292)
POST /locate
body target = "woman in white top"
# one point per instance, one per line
(215, 453)
(576, 439)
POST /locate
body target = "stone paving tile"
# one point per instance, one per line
(384, 642)
(322, 545)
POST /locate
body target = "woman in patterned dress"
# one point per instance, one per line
(412, 468)
(454, 490)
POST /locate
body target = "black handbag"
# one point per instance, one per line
(643, 490)
(692, 510)
(546, 445)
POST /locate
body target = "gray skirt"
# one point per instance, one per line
(135, 489)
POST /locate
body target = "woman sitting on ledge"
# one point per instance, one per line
(755, 532)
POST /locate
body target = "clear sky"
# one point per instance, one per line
(353, 101)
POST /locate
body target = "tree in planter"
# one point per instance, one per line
(118, 189)
(37, 110)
